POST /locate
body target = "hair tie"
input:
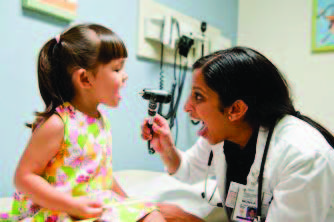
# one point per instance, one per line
(57, 38)
(297, 114)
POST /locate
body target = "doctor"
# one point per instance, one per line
(244, 105)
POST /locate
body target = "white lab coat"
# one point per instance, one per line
(299, 171)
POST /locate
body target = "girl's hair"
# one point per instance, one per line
(241, 73)
(82, 46)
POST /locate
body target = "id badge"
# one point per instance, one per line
(246, 205)
(233, 193)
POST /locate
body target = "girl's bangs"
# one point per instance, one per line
(111, 47)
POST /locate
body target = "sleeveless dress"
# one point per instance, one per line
(82, 167)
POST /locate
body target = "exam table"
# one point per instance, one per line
(160, 187)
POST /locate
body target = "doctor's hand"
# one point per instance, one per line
(161, 140)
(173, 213)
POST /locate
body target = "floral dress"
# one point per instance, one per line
(82, 167)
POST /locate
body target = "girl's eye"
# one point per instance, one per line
(117, 70)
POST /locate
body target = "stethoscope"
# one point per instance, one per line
(260, 180)
(206, 180)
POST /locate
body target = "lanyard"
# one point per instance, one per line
(260, 178)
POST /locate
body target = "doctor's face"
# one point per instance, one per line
(203, 105)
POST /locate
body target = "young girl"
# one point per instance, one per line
(65, 173)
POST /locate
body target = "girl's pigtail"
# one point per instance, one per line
(47, 72)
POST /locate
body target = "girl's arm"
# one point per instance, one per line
(43, 146)
(117, 188)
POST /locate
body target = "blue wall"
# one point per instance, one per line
(22, 35)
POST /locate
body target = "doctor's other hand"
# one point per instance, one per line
(161, 140)
(173, 213)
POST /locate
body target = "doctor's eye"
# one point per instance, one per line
(198, 97)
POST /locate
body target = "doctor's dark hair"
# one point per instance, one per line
(241, 73)
(82, 46)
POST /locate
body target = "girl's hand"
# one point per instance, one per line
(161, 140)
(85, 208)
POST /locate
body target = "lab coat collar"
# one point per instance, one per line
(253, 175)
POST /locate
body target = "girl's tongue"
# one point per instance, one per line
(203, 131)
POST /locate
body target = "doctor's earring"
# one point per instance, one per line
(230, 118)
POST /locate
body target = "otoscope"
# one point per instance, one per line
(154, 97)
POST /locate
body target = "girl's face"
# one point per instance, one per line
(109, 79)
(203, 104)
